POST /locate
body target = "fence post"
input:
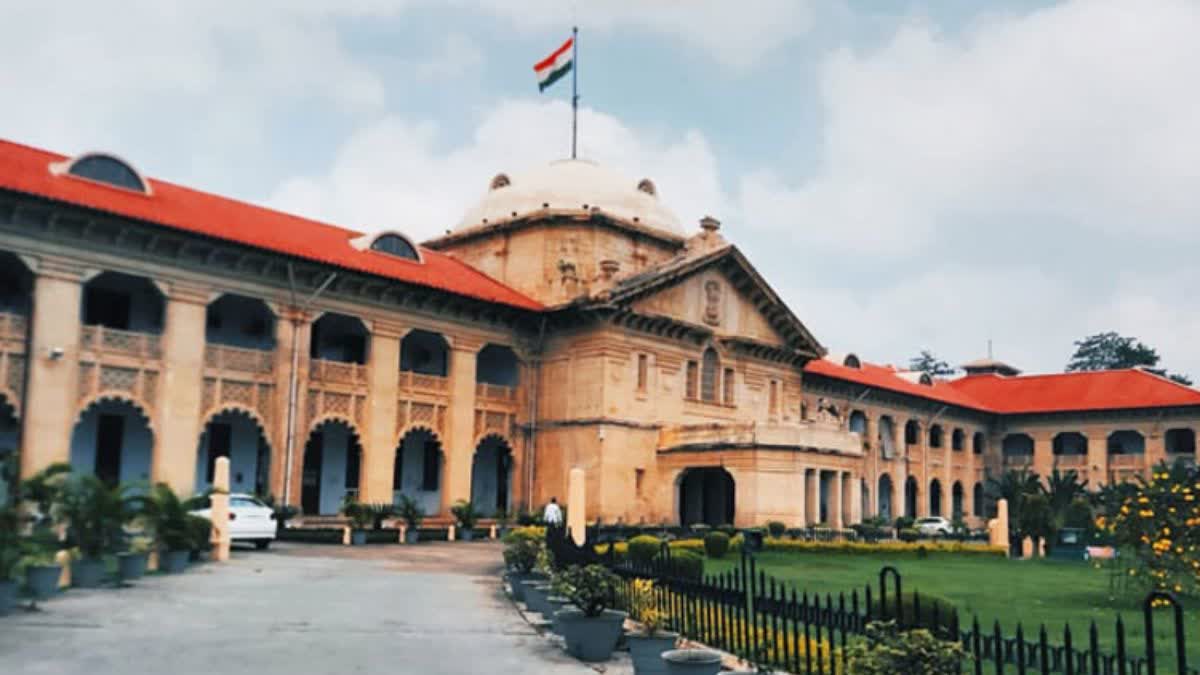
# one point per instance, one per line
(1121, 661)
(895, 574)
(1148, 618)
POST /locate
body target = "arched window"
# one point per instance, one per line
(107, 169)
(710, 367)
(394, 244)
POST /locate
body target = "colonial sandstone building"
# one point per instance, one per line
(567, 321)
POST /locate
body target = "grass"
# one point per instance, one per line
(1033, 592)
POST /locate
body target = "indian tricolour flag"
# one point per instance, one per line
(551, 69)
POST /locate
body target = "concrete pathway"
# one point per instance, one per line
(296, 609)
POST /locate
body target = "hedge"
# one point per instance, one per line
(882, 548)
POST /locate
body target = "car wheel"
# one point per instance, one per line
(262, 544)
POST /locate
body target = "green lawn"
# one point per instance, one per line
(994, 589)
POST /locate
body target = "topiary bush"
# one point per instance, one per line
(905, 522)
(727, 528)
(644, 548)
(886, 650)
(687, 564)
(936, 613)
(776, 528)
(591, 588)
(908, 534)
(521, 550)
(716, 544)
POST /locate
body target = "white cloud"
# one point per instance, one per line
(394, 174)
(457, 55)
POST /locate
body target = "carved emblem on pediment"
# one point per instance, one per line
(712, 302)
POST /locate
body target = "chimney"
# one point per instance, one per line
(609, 268)
(710, 224)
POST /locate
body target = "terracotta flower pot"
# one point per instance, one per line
(647, 650)
(591, 638)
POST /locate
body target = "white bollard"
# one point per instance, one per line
(577, 506)
(221, 536)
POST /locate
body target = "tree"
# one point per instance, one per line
(1014, 486)
(1037, 520)
(1063, 489)
(926, 362)
(1111, 351)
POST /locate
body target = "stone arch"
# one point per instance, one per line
(857, 422)
(1017, 445)
(957, 495)
(935, 497)
(957, 439)
(706, 494)
(912, 432)
(911, 496)
(1126, 442)
(936, 435)
(330, 466)
(884, 496)
(245, 440)
(887, 436)
(10, 432)
(113, 437)
(977, 500)
(1180, 441)
(1069, 443)
(117, 397)
(978, 443)
(418, 467)
(491, 474)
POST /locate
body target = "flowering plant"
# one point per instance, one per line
(644, 609)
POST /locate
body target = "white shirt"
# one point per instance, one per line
(552, 514)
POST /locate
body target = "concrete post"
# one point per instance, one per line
(50, 407)
(577, 505)
(221, 536)
(998, 526)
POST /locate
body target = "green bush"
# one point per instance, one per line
(465, 514)
(886, 651)
(410, 511)
(589, 588)
(687, 564)
(199, 533)
(521, 552)
(727, 529)
(908, 534)
(930, 605)
(716, 544)
(776, 528)
(905, 522)
(644, 548)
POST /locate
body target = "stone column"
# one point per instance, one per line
(855, 511)
(1097, 459)
(51, 405)
(813, 489)
(297, 332)
(801, 494)
(379, 437)
(177, 422)
(1156, 449)
(835, 500)
(460, 433)
(1043, 453)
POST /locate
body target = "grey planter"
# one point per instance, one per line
(87, 573)
(8, 596)
(646, 651)
(358, 537)
(42, 580)
(131, 566)
(412, 535)
(518, 588)
(554, 604)
(591, 638)
(466, 534)
(692, 662)
(173, 562)
(535, 596)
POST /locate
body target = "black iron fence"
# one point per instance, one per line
(750, 614)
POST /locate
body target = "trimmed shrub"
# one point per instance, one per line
(886, 650)
(644, 548)
(931, 605)
(727, 528)
(905, 522)
(716, 544)
(908, 534)
(687, 564)
(199, 533)
(776, 528)
(888, 548)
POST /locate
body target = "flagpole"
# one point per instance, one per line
(574, 87)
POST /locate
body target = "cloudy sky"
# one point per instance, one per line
(922, 174)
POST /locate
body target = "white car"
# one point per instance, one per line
(934, 526)
(250, 520)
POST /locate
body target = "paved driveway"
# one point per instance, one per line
(296, 609)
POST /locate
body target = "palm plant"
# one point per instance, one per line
(96, 514)
(1014, 486)
(465, 513)
(11, 544)
(168, 518)
(41, 493)
(410, 510)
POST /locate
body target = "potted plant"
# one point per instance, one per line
(465, 516)
(360, 520)
(411, 512)
(647, 645)
(168, 519)
(199, 536)
(96, 515)
(521, 551)
(591, 630)
(131, 563)
(502, 519)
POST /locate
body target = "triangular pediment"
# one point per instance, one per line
(719, 292)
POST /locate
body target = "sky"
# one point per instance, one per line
(908, 175)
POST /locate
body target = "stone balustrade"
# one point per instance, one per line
(337, 372)
(241, 359)
(104, 340)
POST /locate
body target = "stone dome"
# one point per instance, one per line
(572, 186)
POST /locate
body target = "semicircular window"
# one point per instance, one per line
(394, 244)
(106, 169)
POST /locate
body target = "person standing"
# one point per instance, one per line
(553, 514)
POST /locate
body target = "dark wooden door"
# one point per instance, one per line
(110, 430)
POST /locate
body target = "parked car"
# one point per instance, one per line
(250, 520)
(934, 526)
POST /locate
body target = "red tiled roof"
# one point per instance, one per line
(886, 377)
(25, 169)
(1063, 392)
(1056, 392)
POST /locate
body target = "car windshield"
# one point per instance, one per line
(245, 502)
